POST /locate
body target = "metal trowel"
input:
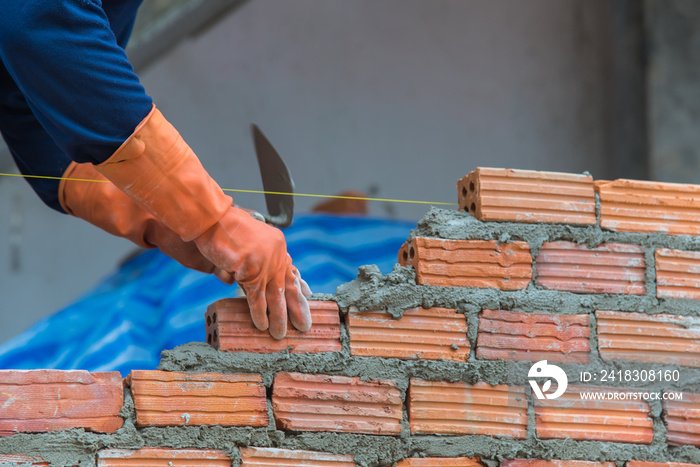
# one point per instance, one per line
(276, 179)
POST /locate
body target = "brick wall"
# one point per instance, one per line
(433, 363)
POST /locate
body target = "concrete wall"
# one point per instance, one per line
(398, 98)
(674, 93)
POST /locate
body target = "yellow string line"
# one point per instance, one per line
(250, 191)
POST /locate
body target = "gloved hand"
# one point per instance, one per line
(107, 207)
(257, 253)
(159, 171)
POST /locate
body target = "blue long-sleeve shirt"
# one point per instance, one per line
(67, 90)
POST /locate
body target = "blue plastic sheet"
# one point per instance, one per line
(153, 303)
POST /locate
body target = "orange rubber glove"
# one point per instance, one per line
(161, 173)
(104, 205)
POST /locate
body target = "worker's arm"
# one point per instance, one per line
(101, 204)
(65, 59)
(51, 85)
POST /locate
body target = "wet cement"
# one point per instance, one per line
(64, 448)
(396, 292)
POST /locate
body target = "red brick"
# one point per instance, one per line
(21, 459)
(552, 463)
(657, 338)
(165, 398)
(677, 274)
(514, 335)
(252, 457)
(230, 328)
(470, 263)
(440, 462)
(465, 409)
(49, 400)
(571, 416)
(157, 457)
(304, 402)
(639, 206)
(420, 333)
(658, 464)
(682, 418)
(403, 254)
(609, 268)
(527, 196)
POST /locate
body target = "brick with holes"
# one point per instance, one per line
(527, 196)
(470, 263)
(230, 328)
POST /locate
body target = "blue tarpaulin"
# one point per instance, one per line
(152, 303)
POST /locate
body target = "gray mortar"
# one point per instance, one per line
(396, 292)
(373, 291)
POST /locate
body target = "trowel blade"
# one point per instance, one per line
(276, 179)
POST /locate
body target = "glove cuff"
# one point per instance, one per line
(84, 193)
(161, 173)
(64, 188)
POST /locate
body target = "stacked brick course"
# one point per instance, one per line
(434, 363)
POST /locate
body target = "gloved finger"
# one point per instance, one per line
(277, 306)
(254, 214)
(185, 253)
(305, 289)
(299, 313)
(225, 277)
(258, 305)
